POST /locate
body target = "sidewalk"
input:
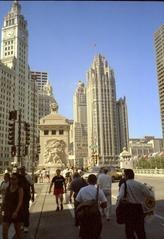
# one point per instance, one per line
(45, 223)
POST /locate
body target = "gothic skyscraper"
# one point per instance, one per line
(103, 130)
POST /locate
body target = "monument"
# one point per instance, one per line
(54, 140)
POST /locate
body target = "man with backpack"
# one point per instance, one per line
(77, 183)
(27, 184)
(89, 199)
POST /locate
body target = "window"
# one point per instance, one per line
(61, 131)
(46, 132)
(53, 132)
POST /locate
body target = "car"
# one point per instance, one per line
(114, 172)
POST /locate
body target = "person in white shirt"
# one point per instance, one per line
(91, 228)
(105, 183)
(134, 225)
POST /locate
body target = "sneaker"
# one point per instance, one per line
(57, 209)
(25, 229)
(61, 207)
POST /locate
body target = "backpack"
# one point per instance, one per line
(88, 209)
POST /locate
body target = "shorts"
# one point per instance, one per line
(58, 191)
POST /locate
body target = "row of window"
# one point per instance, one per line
(53, 132)
(10, 22)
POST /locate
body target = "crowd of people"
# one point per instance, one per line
(17, 190)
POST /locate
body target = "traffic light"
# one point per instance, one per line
(38, 149)
(13, 151)
(11, 136)
(13, 115)
(26, 151)
(27, 133)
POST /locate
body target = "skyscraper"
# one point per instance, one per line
(19, 91)
(80, 146)
(159, 47)
(45, 93)
(123, 129)
(102, 114)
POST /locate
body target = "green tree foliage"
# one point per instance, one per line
(152, 163)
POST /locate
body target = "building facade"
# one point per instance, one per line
(80, 136)
(159, 48)
(145, 147)
(18, 92)
(54, 140)
(123, 128)
(102, 118)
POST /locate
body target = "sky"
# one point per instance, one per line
(64, 37)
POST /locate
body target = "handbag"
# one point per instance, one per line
(122, 208)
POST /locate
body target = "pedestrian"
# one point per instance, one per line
(91, 227)
(12, 207)
(59, 188)
(77, 183)
(28, 190)
(4, 185)
(134, 224)
(105, 183)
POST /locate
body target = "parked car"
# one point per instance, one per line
(114, 172)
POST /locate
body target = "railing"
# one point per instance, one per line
(154, 172)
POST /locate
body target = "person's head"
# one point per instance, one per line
(58, 171)
(22, 170)
(105, 170)
(14, 179)
(101, 170)
(128, 174)
(76, 175)
(92, 179)
(6, 177)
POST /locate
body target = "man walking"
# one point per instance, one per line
(105, 183)
(134, 225)
(77, 183)
(91, 227)
(59, 185)
(27, 184)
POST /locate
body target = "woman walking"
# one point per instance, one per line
(12, 207)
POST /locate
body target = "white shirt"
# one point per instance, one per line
(89, 193)
(105, 182)
(136, 192)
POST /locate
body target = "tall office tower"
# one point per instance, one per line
(45, 93)
(159, 47)
(20, 88)
(101, 112)
(123, 129)
(41, 79)
(80, 144)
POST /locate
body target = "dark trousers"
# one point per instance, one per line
(26, 213)
(135, 222)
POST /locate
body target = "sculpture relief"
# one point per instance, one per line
(55, 152)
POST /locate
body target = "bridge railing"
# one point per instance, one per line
(150, 171)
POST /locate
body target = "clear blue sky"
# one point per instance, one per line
(61, 41)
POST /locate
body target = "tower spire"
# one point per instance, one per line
(16, 7)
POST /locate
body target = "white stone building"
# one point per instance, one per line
(80, 137)
(18, 91)
(102, 118)
(54, 140)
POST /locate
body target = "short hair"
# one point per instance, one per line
(76, 175)
(92, 179)
(105, 170)
(129, 174)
